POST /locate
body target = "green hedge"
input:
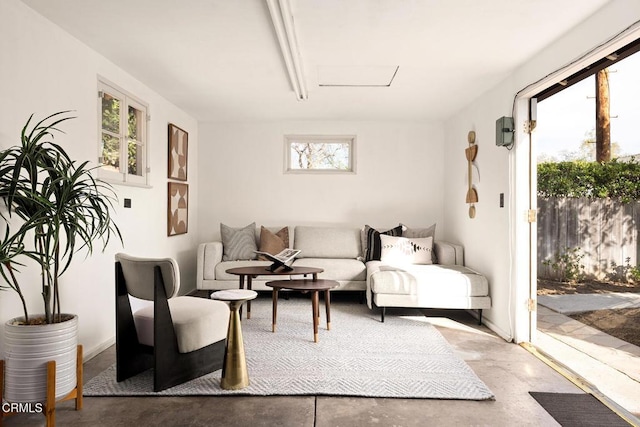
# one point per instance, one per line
(616, 180)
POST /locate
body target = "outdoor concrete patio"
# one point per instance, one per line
(608, 363)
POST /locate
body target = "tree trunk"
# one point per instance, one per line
(603, 125)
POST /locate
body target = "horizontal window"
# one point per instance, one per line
(320, 154)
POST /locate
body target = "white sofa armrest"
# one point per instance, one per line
(209, 255)
(448, 253)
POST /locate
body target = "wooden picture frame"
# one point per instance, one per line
(178, 155)
(177, 208)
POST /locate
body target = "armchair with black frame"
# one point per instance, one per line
(181, 337)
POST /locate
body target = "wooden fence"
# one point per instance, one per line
(606, 232)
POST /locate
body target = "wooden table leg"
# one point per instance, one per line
(314, 305)
(241, 286)
(274, 312)
(249, 284)
(327, 305)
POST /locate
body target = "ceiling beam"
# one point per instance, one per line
(283, 25)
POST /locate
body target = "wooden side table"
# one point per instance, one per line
(234, 369)
(305, 285)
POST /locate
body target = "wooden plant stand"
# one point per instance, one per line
(49, 405)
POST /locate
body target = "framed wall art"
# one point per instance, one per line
(178, 153)
(177, 208)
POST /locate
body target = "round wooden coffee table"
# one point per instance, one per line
(252, 272)
(305, 285)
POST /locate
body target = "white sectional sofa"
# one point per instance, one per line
(340, 252)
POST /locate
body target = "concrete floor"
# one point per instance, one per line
(509, 371)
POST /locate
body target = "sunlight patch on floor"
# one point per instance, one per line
(447, 323)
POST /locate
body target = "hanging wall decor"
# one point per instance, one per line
(471, 152)
(178, 153)
(177, 208)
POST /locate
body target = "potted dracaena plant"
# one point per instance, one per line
(53, 208)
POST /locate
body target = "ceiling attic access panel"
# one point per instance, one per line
(357, 76)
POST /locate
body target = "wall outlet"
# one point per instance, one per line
(127, 203)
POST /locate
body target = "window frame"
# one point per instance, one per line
(350, 140)
(123, 177)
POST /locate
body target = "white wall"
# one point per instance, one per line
(486, 238)
(45, 70)
(399, 177)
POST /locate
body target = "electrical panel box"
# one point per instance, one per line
(504, 131)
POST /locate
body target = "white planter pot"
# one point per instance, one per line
(28, 348)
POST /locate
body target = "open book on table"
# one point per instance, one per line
(281, 258)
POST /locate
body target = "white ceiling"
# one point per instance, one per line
(219, 60)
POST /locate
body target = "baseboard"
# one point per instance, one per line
(498, 331)
(91, 353)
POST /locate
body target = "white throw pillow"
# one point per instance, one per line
(403, 250)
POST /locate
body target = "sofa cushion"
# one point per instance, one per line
(336, 269)
(393, 282)
(373, 249)
(452, 280)
(238, 243)
(327, 242)
(197, 322)
(402, 250)
(273, 243)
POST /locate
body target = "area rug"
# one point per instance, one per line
(578, 410)
(404, 357)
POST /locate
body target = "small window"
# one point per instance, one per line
(122, 148)
(320, 154)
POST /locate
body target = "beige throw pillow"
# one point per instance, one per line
(273, 243)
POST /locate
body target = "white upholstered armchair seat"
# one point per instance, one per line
(197, 322)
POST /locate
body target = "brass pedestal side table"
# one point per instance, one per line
(234, 368)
